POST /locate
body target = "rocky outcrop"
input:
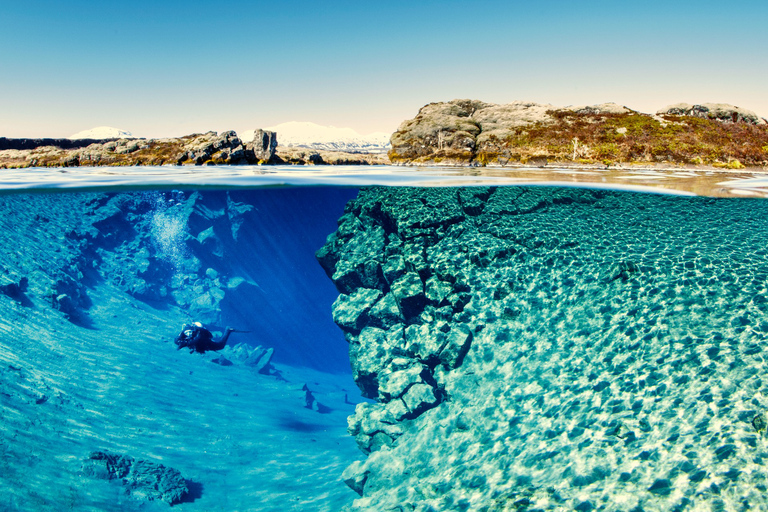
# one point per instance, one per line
(717, 111)
(470, 132)
(602, 108)
(456, 130)
(552, 349)
(257, 358)
(141, 478)
(306, 156)
(387, 303)
(262, 148)
(200, 149)
(213, 148)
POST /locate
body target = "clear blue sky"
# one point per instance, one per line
(164, 68)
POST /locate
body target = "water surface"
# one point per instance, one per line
(715, 183)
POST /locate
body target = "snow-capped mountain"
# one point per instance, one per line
(103, 132)
(329, 138)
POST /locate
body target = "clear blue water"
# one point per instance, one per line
(679, 181)
(614, 356)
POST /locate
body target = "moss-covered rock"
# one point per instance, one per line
(468, 132)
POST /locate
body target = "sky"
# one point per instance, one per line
(169, 68)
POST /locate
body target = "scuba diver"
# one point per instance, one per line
(199, 339)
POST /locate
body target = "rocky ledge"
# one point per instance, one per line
(548, 349)
(199, 149)
(471, 132)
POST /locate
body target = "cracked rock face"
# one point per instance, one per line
(545, 348)
(262, 147)
(456, 129)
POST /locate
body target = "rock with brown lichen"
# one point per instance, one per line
(474, 133)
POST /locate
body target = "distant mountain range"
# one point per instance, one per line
(291, 134)
(328, 138)
(102, 133)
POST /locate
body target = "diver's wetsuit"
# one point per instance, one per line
(199, 339)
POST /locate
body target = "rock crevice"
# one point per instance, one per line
(553, 348)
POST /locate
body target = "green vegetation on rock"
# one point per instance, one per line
(476, 133)
(197, 149)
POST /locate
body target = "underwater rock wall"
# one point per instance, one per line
(160, 247)
(168, 248)
(242, 258)
(536, 348)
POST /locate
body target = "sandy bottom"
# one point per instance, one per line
(243, 440)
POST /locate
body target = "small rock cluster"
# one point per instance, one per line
(200, 149)
(257, 358)
(717, 111)
(143, 479)
(212, 147)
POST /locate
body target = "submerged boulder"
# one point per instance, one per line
(70, 297)
(142, 479)
(16, 291)
(258, 358)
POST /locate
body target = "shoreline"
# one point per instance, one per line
(53, 157)
(299, 156)
(577, 166)
(704, 182)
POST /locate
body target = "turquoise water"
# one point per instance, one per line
(443, 343)
(677, 180)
